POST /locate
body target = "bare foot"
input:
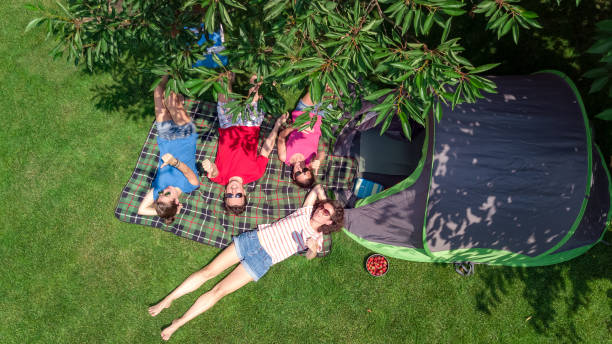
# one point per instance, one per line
(168, 331)
(156, 309)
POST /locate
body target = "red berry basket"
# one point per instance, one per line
(377, 265)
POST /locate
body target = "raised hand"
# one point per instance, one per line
(282, 119)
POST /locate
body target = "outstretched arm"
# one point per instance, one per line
(172, 161)
(146, 206)
(317, 192)
(221, 97)
(266, 149)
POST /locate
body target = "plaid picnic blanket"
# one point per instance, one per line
(202, 218)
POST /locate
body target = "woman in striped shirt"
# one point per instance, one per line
(255, 251)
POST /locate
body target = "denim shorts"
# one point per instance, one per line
(169, 130)
(253, 257)
(322, 111)
(253, 117)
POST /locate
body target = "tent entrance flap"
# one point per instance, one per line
(397, 219)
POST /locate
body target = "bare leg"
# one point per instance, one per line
(227, 258)
(222, 98)
(174, 103)
(306, 99)
(161, 112)
(234, 281)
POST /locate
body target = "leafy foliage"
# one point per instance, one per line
(602, 75)
(399, 54)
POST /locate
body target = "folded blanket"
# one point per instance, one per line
(202, 218)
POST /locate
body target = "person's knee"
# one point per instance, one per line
(206, 273)
(219, 291)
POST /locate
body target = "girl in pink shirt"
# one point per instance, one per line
(299, 148)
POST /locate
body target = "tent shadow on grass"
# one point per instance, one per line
(546, 285)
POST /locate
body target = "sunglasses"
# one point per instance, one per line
(231, 195)
(304, 170)
(162, 193)
(325, 211)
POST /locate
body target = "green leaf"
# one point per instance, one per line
(417, 21)
(407, 21)
(529, 14)
(595, 73)
(499, 22)
(386, 124)
(483, 6)
(453, 11)
(307, 63)
(463, 60)
(483, 68)
(602, 46)
(295, 79)
(372, 24)
(428, 22)
(447, 26)
(401, 65)
(377, 94)
(605, 25)
(327, 132)
(154, 84)
(456, 96)
(605, 115)
(33, 23)
(273, 4)
(64, 9)
(340, 82)
(193, 82)
(219, 89)
(381, 108)
(394, 8)
(405, 125)
(226, 18)
(438, 111)
(505, 29)
(315, 90)
(235, 4)
(515, 33)
(598, 84)
(209, 18)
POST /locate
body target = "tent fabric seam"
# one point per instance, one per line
(585, 200)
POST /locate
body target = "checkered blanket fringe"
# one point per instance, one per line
(202, 218)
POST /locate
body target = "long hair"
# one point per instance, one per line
(166, 210)
(337, 218)
(307, 183)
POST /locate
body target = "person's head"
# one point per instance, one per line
(302, 175)
(330, 214)
(235, 200)
(167, 204)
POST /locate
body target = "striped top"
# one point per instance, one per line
(287, 236)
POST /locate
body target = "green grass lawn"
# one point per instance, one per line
(71, 272)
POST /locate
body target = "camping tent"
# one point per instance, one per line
(514, 179)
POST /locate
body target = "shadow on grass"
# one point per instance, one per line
(545, 286)
(128, 93)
